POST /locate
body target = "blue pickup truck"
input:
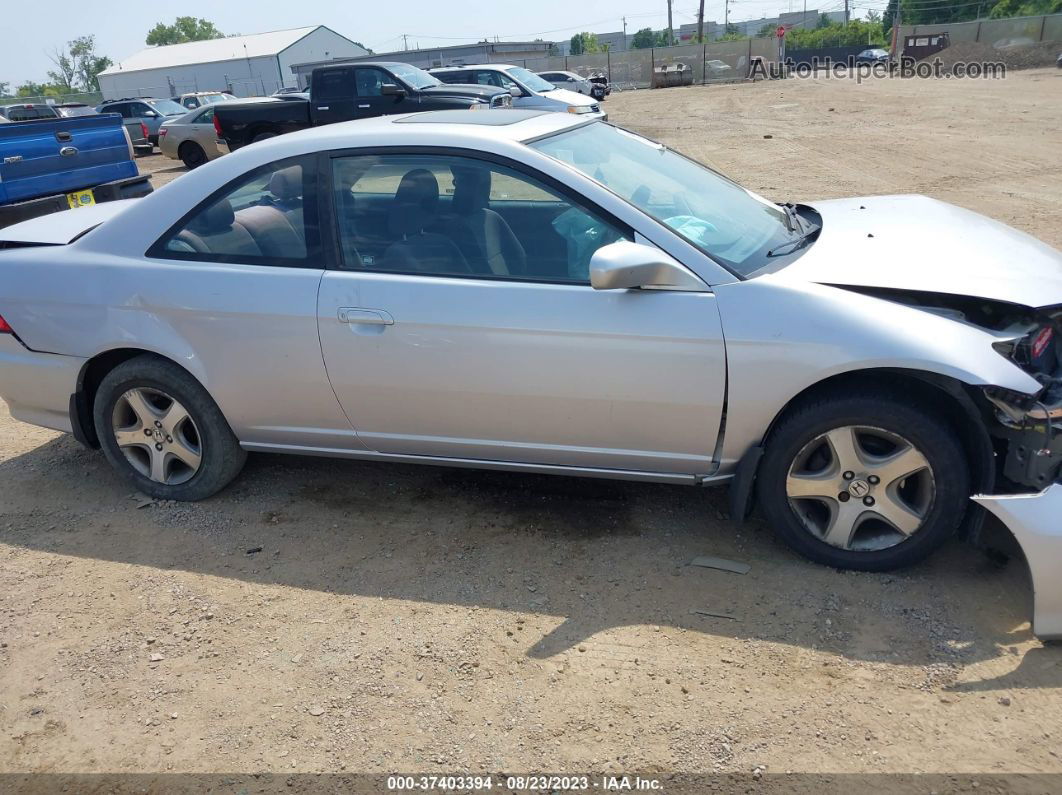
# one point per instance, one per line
(50, 164)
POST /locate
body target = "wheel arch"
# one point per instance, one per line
(949, 397)
(92, 373)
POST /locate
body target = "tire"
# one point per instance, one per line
(191, 154)
(161, 463)
(263, 136)
(891, 437)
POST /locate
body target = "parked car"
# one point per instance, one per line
(48, 165)
(351, 91)
(28, 112)
(601, 79)
(873, 56)
(151, 112)
(282, 92)
(197, 99)
(190, 138)
(537, 292)
(68, 109)
(573, 82)
(716, 68)
(528, 89)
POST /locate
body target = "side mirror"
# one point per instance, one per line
(516, 92)
(627, 266)
(392, 90)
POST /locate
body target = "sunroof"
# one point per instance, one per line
(490, 118)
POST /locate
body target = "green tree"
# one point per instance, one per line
(367, 49)
(5, 88)
(824, 21)
(585, 44)
(77, 67)
(766, 29)
(856, 33)
(87, 64)
(643, 39)
(31, 89)
(183, 29)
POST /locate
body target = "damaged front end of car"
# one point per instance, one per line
(1026, 433)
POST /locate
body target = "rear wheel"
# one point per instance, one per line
(863, 481)
(192, 154)
(263, 136)
(162, 431)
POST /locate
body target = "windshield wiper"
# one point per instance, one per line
(789, 246)
(792, 217)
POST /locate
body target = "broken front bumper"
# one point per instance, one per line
(1036, 522)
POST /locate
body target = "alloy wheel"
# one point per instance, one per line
(861, 488)
(157, 436)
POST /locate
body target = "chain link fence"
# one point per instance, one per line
(92, 98)
(716, 61)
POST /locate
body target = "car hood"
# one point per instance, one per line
(918, 243)
(463, 90)
(568, 97)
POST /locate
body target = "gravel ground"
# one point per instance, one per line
(333, 616)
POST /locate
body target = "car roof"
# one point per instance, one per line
(499, 66)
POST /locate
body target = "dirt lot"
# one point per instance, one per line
(324, 615)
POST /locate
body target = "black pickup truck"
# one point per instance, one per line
(350, 91)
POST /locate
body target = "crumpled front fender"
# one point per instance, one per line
(1036, 522)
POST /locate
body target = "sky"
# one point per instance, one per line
(120, 25)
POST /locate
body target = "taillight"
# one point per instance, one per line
(217, 126)
(162, 132)
(143, 129)
(4, 327)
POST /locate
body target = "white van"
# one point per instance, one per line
(530, 92)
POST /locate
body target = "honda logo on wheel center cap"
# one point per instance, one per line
(859, 488)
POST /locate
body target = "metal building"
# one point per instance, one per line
(246, 66)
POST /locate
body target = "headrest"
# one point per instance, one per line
(471, 189)
(286, 183)
(214, 220)
(415, 204)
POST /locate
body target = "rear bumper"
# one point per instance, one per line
(37, 386)
(126, 188)
(1036, 522)
(223, 146)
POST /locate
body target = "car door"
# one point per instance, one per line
(233, 286)
(371, 101)
(470, 330)
(332, 96)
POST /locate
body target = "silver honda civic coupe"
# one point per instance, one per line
(538, 292)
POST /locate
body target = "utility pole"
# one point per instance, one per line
(726, 16)
(670, 29)
(405, 41)
(700, 23)
(846, 13)
(804, 21)
(624, 32)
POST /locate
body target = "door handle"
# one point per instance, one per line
(353, 315)
(363, 106)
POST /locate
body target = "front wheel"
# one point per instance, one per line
(162, 431)
(864, 481)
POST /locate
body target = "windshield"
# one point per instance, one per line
(208, 99)
(530, 80)
(167, 107)
(414, 77)
(732, 225)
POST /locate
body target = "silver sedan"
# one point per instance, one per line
(190, 138)
(541, 293)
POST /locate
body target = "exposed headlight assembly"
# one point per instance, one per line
(580, 109)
